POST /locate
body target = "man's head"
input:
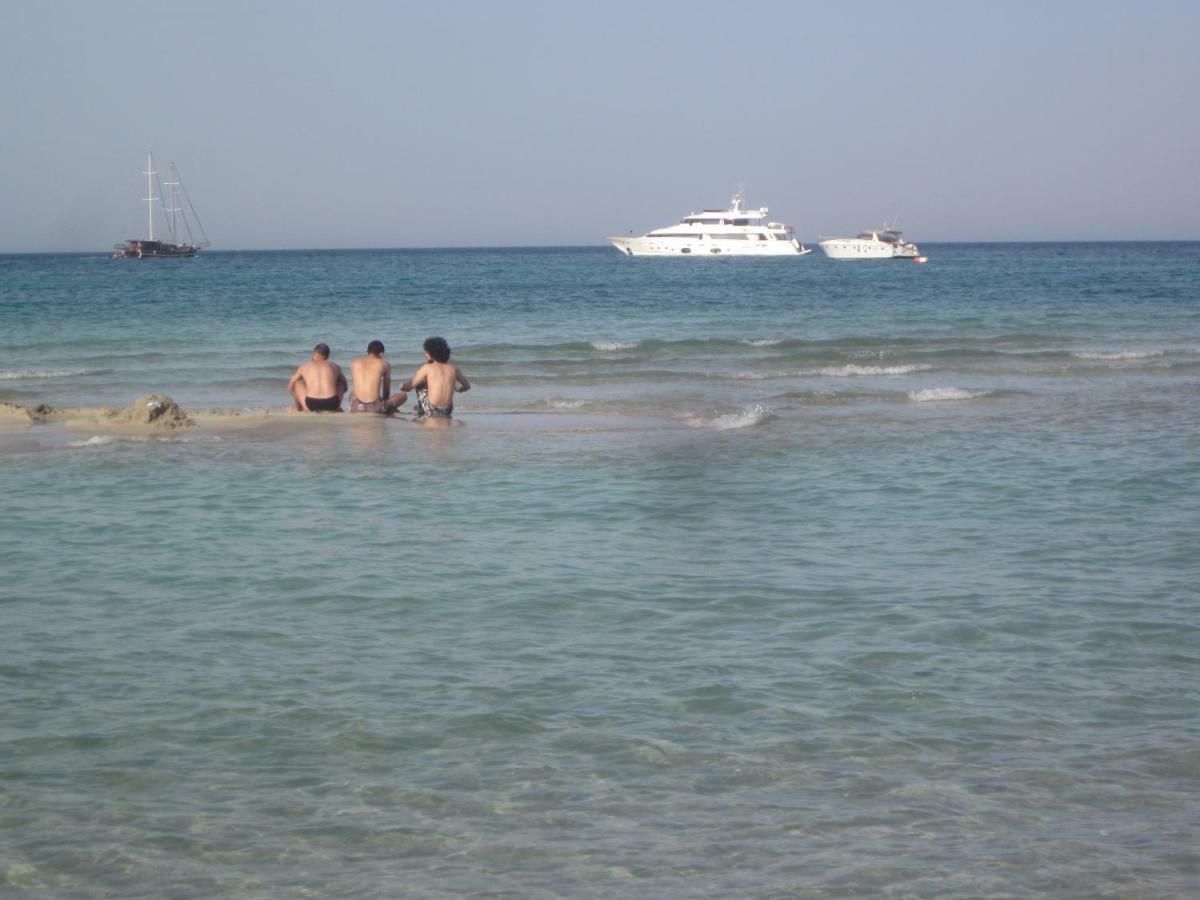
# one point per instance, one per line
(321, 351)
(438, 349)
(375, 348)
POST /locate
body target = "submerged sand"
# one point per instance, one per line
(155, 417)
(152, 417)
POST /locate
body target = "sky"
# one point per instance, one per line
(393, 124)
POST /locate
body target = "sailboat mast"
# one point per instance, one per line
(150, 173)
(174, 183)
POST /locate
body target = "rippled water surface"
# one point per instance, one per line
(762, 578)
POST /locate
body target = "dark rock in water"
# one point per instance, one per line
(158, 410)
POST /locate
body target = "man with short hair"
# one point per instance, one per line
(372, 377)
(318, 385)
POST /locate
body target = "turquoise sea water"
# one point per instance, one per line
(770, 578)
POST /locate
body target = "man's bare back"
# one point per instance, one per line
(320, 378)
(372, 377)
(439, 378)
(318, 385)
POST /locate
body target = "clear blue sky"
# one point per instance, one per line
(306, 124)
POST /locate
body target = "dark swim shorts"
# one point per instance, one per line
(375, 406)
(323, 404)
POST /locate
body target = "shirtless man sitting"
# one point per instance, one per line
(318, 385)
(436, 381)
(373, 382)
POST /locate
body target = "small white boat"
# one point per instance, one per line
(717, 232)
(878, 243)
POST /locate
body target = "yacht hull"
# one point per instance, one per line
(648, 245)
(856, 248)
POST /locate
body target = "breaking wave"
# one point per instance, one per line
(850, 371)
(105, 440)
(933, 395)
(757, 376)
(32, 374)
(1116, 354)
(847, 371)
(746, 418)
(614, 345)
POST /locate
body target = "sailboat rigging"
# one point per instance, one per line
(177, 219)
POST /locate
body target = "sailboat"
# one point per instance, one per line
(176, 220)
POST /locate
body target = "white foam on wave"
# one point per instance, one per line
(934, 395)
(763, 342)
(847, 371)
(746, 418)
(561, 403)
(103, 440)
(756, 376)
(852, 371)
(614, 345)
(32, 374)
(1116, 354)
(867, 354)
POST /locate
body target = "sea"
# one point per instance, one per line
(777, 578)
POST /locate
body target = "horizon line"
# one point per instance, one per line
(365, 249)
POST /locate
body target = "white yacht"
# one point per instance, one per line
(878, 243)
(717, 232)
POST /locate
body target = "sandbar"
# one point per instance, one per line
(157, 417)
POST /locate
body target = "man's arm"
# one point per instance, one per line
(415, 382)
(297, 377)
(387, 380)
(463, 384)
(342, 386)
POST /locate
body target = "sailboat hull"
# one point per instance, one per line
(153, 250)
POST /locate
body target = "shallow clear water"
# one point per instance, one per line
(738, 578)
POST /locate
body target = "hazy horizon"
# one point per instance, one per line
(406, 127)
(598, 245)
